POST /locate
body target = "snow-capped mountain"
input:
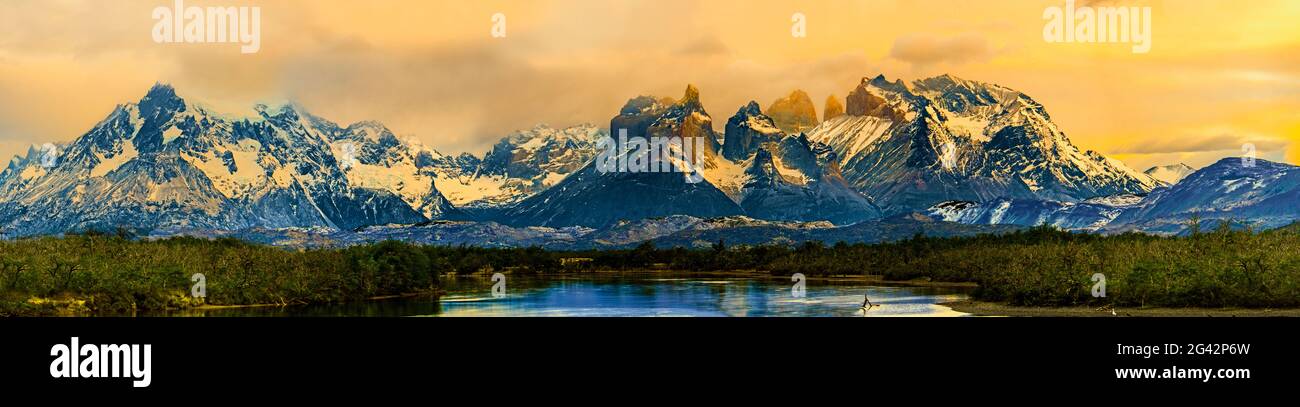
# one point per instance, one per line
(1170, 174)
(1089, 215)
(957, 150)
(26, 168)
(898, 148)
(759, 171)
(911, 146)
(746, 130)
(670, 231)
(595, 198)
(164, 162)
(520, 165)
(1257, 192)
(786, 178)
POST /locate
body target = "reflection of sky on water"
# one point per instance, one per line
(623, 296)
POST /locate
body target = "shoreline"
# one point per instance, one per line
(984, 308)
(968, 306)
(851, 278)
(206, 307)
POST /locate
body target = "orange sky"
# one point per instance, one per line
(1219, 73)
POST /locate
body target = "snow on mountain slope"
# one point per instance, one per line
(1258, 192)
(1170, 174)
(911, 146)
(670, 231)
(595, 198)
(28, 167)
(758, 171)
(1089, 215)
(850, 136)
(785, 178)
(907, 147)
(746, 130)
(163, 162)
(520, 165)
(960, 150)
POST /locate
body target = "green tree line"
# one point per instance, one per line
(113, 273)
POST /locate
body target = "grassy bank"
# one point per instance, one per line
(1002, 309)
(101, 274)
(1042, 267)
(1039, 267)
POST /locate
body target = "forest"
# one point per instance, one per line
(108, 273)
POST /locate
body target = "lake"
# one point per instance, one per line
(621, 295)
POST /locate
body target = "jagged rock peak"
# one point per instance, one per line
(877, 97)
(644, 103)
(880, 82)
(833, 108)
(161, 96)
(794, 113)
(160, 89)
(692, 95)
(747, 130)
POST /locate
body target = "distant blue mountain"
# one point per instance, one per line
(1258, 193)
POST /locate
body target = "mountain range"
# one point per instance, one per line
(944, 155)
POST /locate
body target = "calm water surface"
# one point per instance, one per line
(640, 295)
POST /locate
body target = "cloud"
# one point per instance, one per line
(1212, 140)
(707, 46)
(928, 49)
(431, 69)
